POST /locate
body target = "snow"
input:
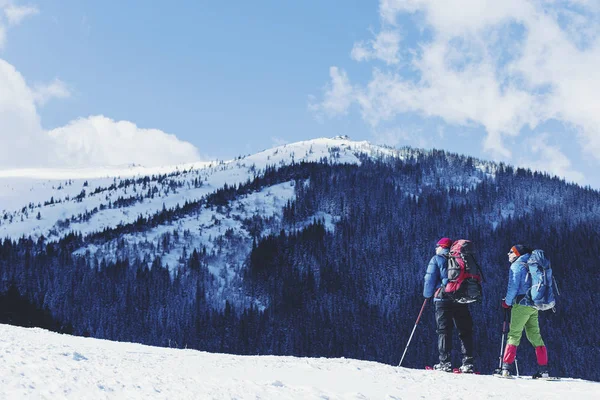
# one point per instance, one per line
(30, 189)
(202, 226)
(38, 364)
(36, 202)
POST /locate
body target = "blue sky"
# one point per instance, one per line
(116, 82)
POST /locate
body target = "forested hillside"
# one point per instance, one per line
(340, 274)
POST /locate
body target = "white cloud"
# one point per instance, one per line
(385, 47)
(338, 95)
(100, 141)
(22, 141)
(92, 141)
(15, 14)
(56, 89)
(452, 18)
(549, 159)
(389, 9)
(500, 65)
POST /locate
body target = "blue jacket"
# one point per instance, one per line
(436, 275)
(518, 284)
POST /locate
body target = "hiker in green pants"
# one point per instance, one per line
(523, 316)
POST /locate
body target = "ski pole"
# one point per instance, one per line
(503, 330)
(413, 331)
(503, 335)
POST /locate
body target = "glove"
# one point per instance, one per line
(504, 305)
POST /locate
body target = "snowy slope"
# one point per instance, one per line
(43, 365)
(50, 202)
(53, 194)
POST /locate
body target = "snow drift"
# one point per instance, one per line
(41, 364)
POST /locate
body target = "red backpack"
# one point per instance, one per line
(464, 274)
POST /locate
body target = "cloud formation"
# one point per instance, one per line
(504, 66)
(22, 140)
(556, 163)
(56, 89)
(385, 47)
(92, 141)
(338, 95)
(12, 15)
(15, 14)
(100, 141)
(85, 142)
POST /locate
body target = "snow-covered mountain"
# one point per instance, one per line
(315, 248)
(37, 364)
(53, 203)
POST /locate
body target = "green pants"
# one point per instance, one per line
(524, 317)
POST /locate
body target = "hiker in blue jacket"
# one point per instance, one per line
(447, 312)
(523, 315)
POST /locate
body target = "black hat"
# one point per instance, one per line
(520, 249)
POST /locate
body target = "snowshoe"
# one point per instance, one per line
(504, 373)
(466, 369)
(443, 366)
(542, 373)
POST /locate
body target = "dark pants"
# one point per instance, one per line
(448, 314)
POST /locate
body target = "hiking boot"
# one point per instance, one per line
(505, 370)
(541, 373)
(467, 369)
(467, 365)
(443, 366)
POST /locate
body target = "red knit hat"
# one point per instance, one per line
(445, 243)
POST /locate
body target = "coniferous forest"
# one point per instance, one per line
(352, 291)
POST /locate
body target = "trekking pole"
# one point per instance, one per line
(413, 331)
(504, 330)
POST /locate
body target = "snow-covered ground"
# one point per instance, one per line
(37, 364)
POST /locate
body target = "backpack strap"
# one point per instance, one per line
(446, 259)
(528, 277)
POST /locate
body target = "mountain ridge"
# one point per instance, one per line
(22, 200)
